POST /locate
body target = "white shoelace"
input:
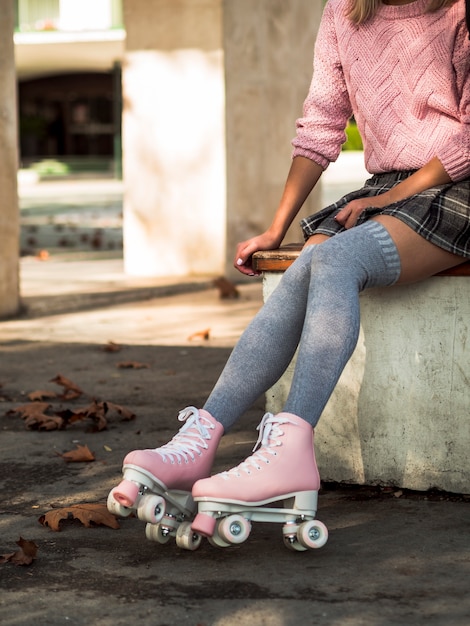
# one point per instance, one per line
(189, 440)
(268, 440)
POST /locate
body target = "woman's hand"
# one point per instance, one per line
(350, 213)
(302, 178)
(246, 249)
(430, 175)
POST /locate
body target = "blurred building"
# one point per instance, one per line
(68, 60)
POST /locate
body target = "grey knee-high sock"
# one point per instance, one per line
(314, 308)
(342, 267)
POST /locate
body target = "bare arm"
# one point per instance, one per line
(302, 178)
(430, 175)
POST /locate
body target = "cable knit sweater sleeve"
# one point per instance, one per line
(404, 75)
(327, 109)
(455, 153)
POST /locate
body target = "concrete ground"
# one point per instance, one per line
(392, 558)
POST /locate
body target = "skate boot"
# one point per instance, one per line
(278, 483)
(157, 483)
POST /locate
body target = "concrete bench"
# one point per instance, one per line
(400, 414)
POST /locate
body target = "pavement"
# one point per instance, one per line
(151, 347)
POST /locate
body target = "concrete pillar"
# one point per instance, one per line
(212, 89)
(173, 137)
(9, 218)
(268, 46)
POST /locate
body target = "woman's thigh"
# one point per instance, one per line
(419, 258)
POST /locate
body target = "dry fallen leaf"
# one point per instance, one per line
(42, 255)
(24, 556)
(88, 514)
(35, 416)
(37, 396)
(227, 290)
(132, 365)
(95, 411)
(44, 422)
(112, 347)
(98, 412)
(82, 454)
(201, 334)
(28, 409)
(71, 390)
(126, 414)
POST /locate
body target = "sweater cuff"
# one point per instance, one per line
(455, 159)
(313, 156)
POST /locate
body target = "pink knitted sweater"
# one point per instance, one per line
(405, 77)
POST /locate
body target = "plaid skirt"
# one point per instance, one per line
(440, 214)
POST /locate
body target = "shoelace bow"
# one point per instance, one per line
(189, 439)
(268, 440)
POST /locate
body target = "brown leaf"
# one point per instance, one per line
(42, 255)
(71, 390)
(95, 411)
(227, 290)
(24, 556)
(41, 421)
(80, 455)
(132, 365)
(24, 410)
(88, 514)
(201, 334)
(36, 396)
(35, 416)
(126, 414)
(112, 347)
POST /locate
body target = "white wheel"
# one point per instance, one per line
(186, 538)
(312, 534)
(234, 529)
(155, 532)
(216, 540)
(151, 509)
(115, 507)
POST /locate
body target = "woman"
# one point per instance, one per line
(401, 68)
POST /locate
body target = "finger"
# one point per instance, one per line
(342, 216)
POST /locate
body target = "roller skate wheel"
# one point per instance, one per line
(186, 537)
(291, 542)
(151, 509)
(126, 493)
(115, 507)
(157, 533)
(204, 524)
(234, 529)
(217, 541)
(312, 534)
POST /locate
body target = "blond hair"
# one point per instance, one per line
(362, 10)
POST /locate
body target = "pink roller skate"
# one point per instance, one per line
(278, 483)
(157, 483)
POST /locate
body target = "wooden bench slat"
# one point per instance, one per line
(279, 260)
